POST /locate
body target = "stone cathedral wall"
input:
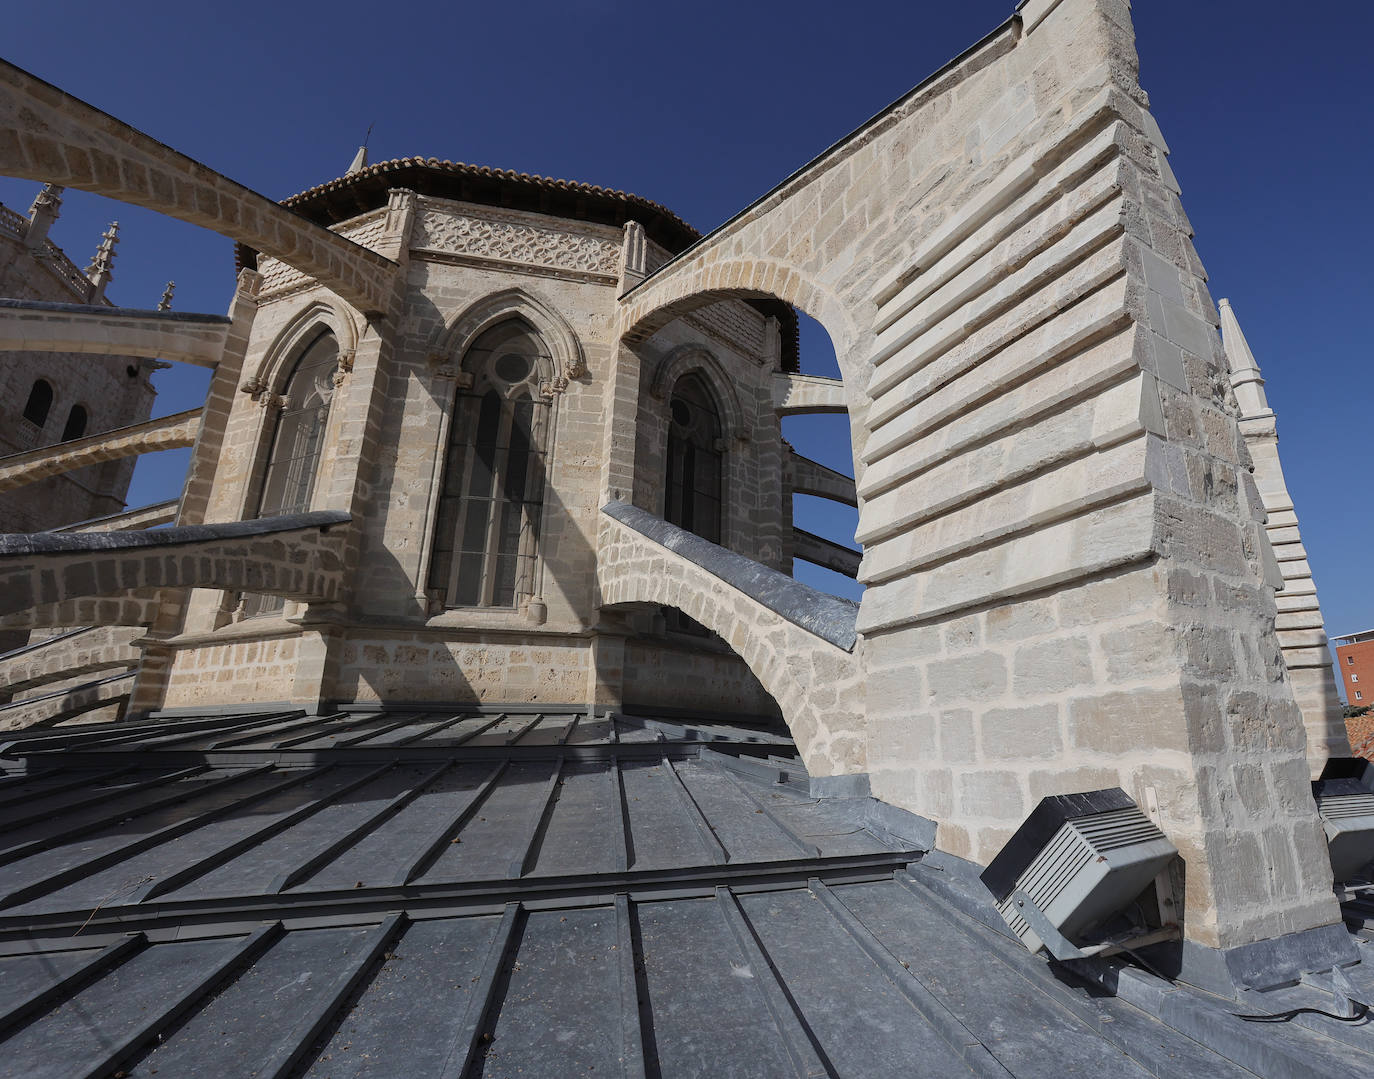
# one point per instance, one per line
(465, 263)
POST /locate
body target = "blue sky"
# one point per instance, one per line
(704, 106)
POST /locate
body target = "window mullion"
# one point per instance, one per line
(466, 503)
(499, 462)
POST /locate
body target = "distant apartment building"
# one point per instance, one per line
(1355, 658)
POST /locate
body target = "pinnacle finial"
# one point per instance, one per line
(46, 209)
(101, 268)
(360, 158)
(165, 304)
(1245, 372)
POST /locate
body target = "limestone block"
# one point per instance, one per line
(1025, 733)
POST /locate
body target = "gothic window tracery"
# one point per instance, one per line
(491, 499)
(297, 440)
(692, 497)
(693, 486)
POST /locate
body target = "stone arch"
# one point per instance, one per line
(296, 335)
(52, 137)
(815, 683)
(686, 285)
(452, 341)
(273, 371)
(694, 359)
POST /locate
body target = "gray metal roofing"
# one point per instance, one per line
(409, 894)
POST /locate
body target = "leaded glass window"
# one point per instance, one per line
(491, 501)
(297, 440)
(693, 491)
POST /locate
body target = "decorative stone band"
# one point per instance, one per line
(516, 241)
(298, 557)
(166, 433)
(828, 617)
(41, 326)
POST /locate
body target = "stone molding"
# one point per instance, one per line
(513, 239)
(692, 358)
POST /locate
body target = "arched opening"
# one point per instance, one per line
(75, 426)
(39, 404)
(694, 484)
(825, 438)
(694, 671)
(293, 461)
(486, 535)
(806, 526)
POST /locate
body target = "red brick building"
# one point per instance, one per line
(1355, 657)
(1355, 660)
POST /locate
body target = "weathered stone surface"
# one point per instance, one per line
(1069, 579)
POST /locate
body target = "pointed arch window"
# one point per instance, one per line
(492, 495)
(692, 494)
(692, 487)
(293, 461)
(39, 403)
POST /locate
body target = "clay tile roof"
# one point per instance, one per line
(358, 192)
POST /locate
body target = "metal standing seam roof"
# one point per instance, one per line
(464, 893)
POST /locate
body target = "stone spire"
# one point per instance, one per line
(165, 304)
(101, 268)
(46, 208)
(360, 158)
(1245, 372)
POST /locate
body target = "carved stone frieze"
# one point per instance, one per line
(516, 241)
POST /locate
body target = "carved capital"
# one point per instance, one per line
(345, 366)
(249, 283)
